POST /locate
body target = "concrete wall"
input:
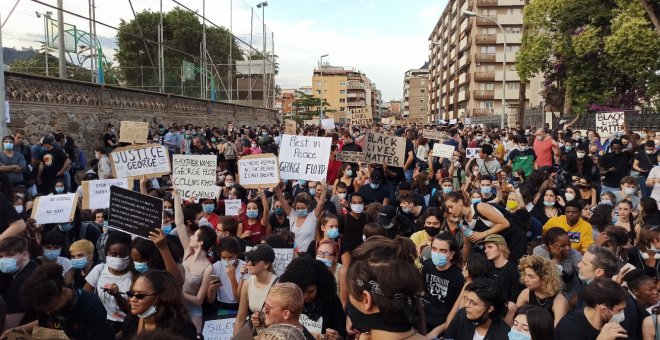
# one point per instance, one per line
(40, 105)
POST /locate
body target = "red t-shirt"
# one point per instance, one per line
(258, 232)
(543, 151)
(333, 171)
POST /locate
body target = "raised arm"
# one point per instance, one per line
(280, 197)
(179, 220)
(159, 239)
(265, 215)
(319, 206)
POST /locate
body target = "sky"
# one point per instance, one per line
(382, 38)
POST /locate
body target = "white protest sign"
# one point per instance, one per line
(453, 121)
(312, 122)
(304, 157)
(472, 152)
(328, 124)
(609, 122)
(220, 329)
(258, 171)
(96, 194)
(467, 121)
(195, 175)
(151, 160)
(283, 256)
(54, 208)
(385, 149)
(232, 207)
(313, 326)
(442, 150)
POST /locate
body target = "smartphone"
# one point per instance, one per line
(214, 279)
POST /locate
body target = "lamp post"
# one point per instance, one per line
(46, 39)
(263, 5)
(321, 70)
(473, 14)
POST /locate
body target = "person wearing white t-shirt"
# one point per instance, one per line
(653, 180)
(303, 223)
(227, 278)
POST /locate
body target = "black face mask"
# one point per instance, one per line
(368, 322)
(483, 318)
(432, 231)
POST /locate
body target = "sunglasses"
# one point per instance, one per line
(139, 296)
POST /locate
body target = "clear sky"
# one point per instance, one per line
(382, 38)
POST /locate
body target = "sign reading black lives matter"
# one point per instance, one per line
(609, 122)
(361, 116)
(134, 213)
(195, 175)
(303, 157)
(385, 149)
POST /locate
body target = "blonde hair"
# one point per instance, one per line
(545, 269)
(289, 295)
(84, 246)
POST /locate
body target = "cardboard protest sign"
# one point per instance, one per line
(388, 120)
(151, 161)
(312, 122)
(467, 121)
(350, 156)
(385, 149)
(134, 213)
(434, 134)
(328, 124)
(195, 175)
(54, 208)
(133, 132)
(472, 153)
(258, 171)
(96, 194)
(442, 150)
(313, 326)
(290, 127)
(220, 329)
(610, 122)
(303, 157)
(361, 116)
(283, 256)
(232, 207)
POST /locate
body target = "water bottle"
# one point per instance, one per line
(467, 231)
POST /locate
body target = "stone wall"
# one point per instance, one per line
(40, 105)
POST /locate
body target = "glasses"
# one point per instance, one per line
(268, 308)
(139, 296)
(471, 303)
(325, 254)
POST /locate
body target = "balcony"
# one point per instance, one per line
(355, 86)
(484, 76)
(486, 3)
(484, 95)
(464, 78)
(484, 21)
(356, 95)
(486, 39)
(359, 104)
(485, 58)
(463, 96)
(480, 112)
(464, 44)
(464, 61)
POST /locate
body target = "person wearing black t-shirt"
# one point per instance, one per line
(110, 138)
(377, 190)
(614, 166)
(162, 131)
(11, 222)
(505, 272)
(278, 219)
(605, 302)
(645, 159)
(352, 224)
(54, 164)
(349, 145)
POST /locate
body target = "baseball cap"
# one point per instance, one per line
(260, 252)
(386, 215)
(376, 177)
(48, 140)
(496, 238)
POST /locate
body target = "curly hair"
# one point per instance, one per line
(43, 286)
(545, 269)
(601, 217)
(305, 272)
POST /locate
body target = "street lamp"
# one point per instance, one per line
(46, 17)
(471, 14)
(321, 70)
(263, 5)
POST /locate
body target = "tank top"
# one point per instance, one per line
(192, 282)
(257, 296)
(543, 303)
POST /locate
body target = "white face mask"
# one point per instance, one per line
(569, 196)
(357, 208)
(117, 263)
(618, 317)
(580, 155)
(342, 195)
(19, 208)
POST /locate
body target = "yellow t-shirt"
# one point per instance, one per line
(580, 235)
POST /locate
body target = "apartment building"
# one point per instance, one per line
(415, 95)
(344, 89)
(466, 60)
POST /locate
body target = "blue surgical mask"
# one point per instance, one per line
(79, 263)
(8, 146)
(302, 183)
(486, 190)
(59, 190)
(301, 212)
(333, 233)
(52, 254)
(279, 211)
(208, 208)
(568, 148)
(515, 335)
(475, 200)
(8, 265)
(374, 186)
(438, 259)
(141, 267)
(349, 172)
(326, 262)
(167, 229)
(252, 213)
(447, 190)
(312, 191)
(65, 227)
(548, 204)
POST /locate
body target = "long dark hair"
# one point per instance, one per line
(169, 299)
(539, 321)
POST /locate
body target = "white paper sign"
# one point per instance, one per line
(258, 171)
(55, 208)
(472, 152)
(328, 124)
(232, 207)
(453, 121)
(283, 256)
(443, 150)
(609, 122)
(195, 175)
(303, 157)
(221, 329)
(96, 194)
(314, 327)
(136, 161)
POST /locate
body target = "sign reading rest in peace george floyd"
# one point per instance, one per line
(96, 194)
(151, 160)
(194, 176)
(385, 149)
(133, 132)
(258, 171)
(54, 208)
(305, 158)
(609, 122)
(134, 213)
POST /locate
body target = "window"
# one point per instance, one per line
(488, 49)
(342, 91)
(487, 104)
(343, 83)
(318, 84)
(342, 100)
(512, 49)
(342, 109)
(513, 86)
(515, 11)
(489, 11)
(318, 91)
(487, 87)
(512, 29)
(489, 30)
(487, 68)
(423, 90)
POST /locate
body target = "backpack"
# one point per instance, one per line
(230, 152)
(82, 233)
(524, 162)
(81, 160)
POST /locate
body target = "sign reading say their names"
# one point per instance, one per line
(96, 194)
(443, 150)
(283, 256)
(258, 171)
(609, 122)
(350, 156)
(304, 157)
(220, 329)
(133, 132)
(385, 149)
(151, 161)
(361, 116)
(134, 213)
(195, 175)
(54, 208)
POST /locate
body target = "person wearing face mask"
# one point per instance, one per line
(77, 313)
(252, 227)
(346, 177)
(13, 163)
(411, 207)
(54, 163)
(377, 190)
(224, 290)
(104, 166)
(532, 323)
(327, 253)
(52, 244)
(522, 157)
(351, 225)
(278, 220)
(545, 148)
(15, 268)
(556, 248)
(568, 157)
(208, 205)
(443, 279)
(156, 303)
(645, 254)
(432, 226)
(328, 230)
(110, 138)
(642, 296)
(614, 166)
(315, 189)
(82, 261)
(605, 301)
(628, 191)
(302, 221)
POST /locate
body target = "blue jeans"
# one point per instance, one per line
(646, 191)
(67, 181)
(409, 175)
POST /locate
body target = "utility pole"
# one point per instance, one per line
(60, 42)
(3, 114)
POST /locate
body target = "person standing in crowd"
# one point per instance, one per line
(104, 166)
(12, 164)
(302, 221)
(53, 165)
(546, 149)
(110, 138)
(614, 166)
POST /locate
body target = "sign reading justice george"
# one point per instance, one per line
(151, 161)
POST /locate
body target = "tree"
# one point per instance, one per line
(595, 54)
(182, 37)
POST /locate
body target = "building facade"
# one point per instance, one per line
(344, 89)
(415, 95)
(466, 59)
